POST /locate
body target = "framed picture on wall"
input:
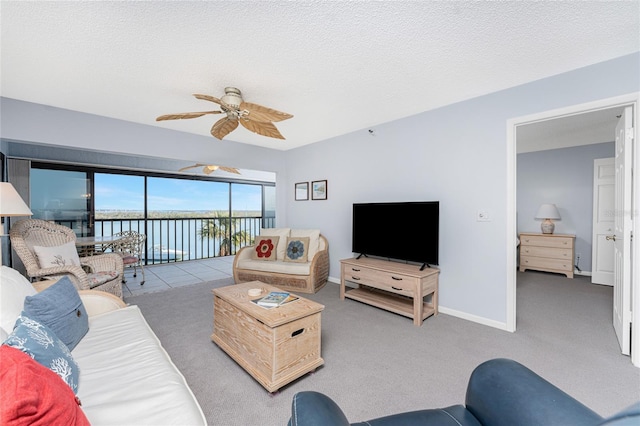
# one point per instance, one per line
(319, 190)
(302, 191)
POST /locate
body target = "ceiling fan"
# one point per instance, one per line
(256, 118)
(210, 168)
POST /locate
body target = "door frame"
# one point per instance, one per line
(511, 223)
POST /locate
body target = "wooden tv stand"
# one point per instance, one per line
(396, 287)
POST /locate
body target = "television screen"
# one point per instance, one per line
(405, 231)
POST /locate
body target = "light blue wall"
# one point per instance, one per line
(563, 177)
(457, 155)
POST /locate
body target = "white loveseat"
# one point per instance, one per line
(302, 277)
(126, 376)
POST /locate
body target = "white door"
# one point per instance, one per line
(603, 221)
(622, 234)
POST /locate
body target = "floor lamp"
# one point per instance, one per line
(11, 204)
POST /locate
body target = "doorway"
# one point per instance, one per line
(512, 126)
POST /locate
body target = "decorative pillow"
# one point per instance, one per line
(314, 240)
(33, 394)
(297, 249)
(63, 255)
(281, 233)
(40, 343)
(265, 248)
(60, 308)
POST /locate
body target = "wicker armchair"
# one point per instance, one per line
(28, 233)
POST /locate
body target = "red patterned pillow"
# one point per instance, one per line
(34, 395)
(265, 248)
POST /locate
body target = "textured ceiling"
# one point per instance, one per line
(336, 66)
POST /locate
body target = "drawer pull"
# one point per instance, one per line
(355, 278)
(297, 332)
(396, 288)
(396, 278)
(355, 270)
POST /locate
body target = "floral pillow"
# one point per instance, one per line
(265, 248)
(40, 343)
(297, 249)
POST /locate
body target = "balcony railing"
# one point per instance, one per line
(177, 239)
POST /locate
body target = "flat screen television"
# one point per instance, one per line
(405, 231)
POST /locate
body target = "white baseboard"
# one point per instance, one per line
(454, 313)
(473, 318)
(583, 273)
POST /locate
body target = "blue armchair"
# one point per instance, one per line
(500, 392)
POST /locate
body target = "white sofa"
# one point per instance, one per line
(126, 376)
(303, 277)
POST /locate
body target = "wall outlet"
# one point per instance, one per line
(483, 216)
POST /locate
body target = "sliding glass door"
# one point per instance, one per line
(64, 197)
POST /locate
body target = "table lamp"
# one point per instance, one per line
(548, 212)
(11, 204)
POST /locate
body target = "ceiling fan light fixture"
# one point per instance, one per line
(232, 97)
(255, 118)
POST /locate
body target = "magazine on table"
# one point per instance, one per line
(274, 299)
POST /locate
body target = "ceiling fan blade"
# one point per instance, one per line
(223, 127)
(264, 114)
(230, 170)
(262, 128)
(182, 115)
(208, 98)
(191, 167)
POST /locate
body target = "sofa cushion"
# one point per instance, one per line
(280, 267)
(126, 376)
(265, 248)
(60, 308)
(314, 239)
(297, 249)
(34, 395)
(40, 343)
(64, 255)
(13, 290)
(281, 233)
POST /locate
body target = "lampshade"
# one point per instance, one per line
(11, 204)
(548, 211)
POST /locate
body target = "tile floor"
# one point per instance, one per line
(176, 274)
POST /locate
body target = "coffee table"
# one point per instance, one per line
(275, 346)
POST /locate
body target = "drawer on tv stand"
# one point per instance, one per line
(388, 281)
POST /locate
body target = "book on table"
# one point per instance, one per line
(275, 298)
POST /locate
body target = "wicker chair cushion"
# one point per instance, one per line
(130, 260)
(63, 255)
(40, 342)
(60, 308)
(101, 277)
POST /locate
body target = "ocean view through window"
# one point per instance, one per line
(183, 218)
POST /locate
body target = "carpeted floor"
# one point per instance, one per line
(378, 363)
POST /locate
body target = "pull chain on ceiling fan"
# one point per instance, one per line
(253, 117)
